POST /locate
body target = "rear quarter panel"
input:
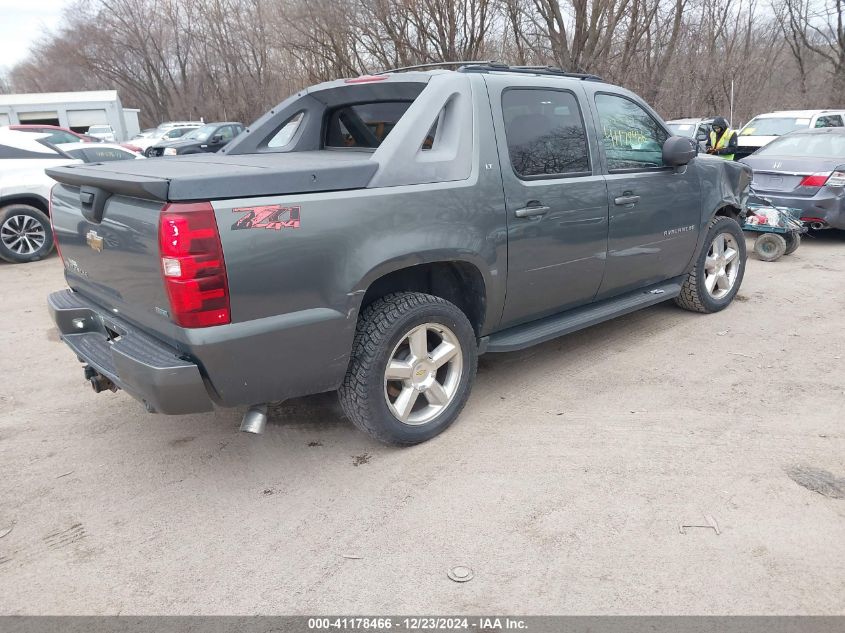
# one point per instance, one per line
(303, 283)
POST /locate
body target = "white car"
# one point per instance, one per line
(98, 152)
(25, 232)
(105, 132)
(764, 128)
(165, 132)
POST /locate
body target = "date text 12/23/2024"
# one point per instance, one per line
(491, 623)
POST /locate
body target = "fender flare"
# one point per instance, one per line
(492, 306)
(24, 198)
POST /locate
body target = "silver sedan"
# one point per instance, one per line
(804, 170)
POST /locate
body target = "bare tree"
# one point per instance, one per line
(820, 27)
(232, 59)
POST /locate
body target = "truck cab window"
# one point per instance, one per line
(364, 125)
(545, 133)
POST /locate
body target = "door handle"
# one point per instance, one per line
(626, 198)
(531, 211)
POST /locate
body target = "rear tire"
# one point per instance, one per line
(413, 361)
(25, 234)
(770, 247)
(717, 275)
(793, 241)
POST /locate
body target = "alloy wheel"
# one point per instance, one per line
(23, 234)
(423, 373)
(721, 266)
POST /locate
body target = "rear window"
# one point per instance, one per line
(103, 154)
(806, 145)
(364, 125)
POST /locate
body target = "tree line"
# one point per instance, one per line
(234, 59)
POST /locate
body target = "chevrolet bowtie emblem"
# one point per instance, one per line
(94, 241)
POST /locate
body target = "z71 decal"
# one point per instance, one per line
(272, 216)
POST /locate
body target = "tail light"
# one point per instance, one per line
(821, 179)
(365, 79)
(837, 178)
(192, 265)
(53, 226)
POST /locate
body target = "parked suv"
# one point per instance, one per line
(103, 132)
(374, 235)
(211, 137)
(25, 233)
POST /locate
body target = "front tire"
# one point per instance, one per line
(413, 362)
(717, 275)
(25, 234)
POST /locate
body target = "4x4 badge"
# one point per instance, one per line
(94, 241)
(271, 216)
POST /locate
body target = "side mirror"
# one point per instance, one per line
(678, 151)
(217, 138)
(701, 137)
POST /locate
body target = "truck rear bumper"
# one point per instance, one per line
(147, 369)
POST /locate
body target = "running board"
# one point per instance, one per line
(528, 334)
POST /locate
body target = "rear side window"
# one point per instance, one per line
(364, 125)
(545, 133)
(632, 138)
(27, 149)
(285, 134)
(833, 120)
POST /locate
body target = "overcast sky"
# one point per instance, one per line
(22, 22)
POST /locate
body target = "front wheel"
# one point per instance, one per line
(25, 234)
(413, 362)
(715, 279)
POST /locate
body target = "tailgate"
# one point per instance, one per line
(115, 262)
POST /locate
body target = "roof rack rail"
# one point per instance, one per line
(492, 65)
(476, 67)
(432, 65)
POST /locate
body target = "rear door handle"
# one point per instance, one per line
(531, 211)
(626, 199)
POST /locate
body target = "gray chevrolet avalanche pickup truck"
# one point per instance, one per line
(374, 235)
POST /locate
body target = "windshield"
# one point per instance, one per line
(682, 129)
(201, 133)
(774, 126)
(806, 145)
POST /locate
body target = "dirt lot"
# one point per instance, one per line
(562, 486)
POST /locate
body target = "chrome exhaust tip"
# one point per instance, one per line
(255, 419)
(818, 226)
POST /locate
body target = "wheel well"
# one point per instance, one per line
(460, 283)
(730, 212)
(33, 201)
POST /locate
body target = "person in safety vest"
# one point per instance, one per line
(722, 140)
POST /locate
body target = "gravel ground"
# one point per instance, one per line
(562, 486)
